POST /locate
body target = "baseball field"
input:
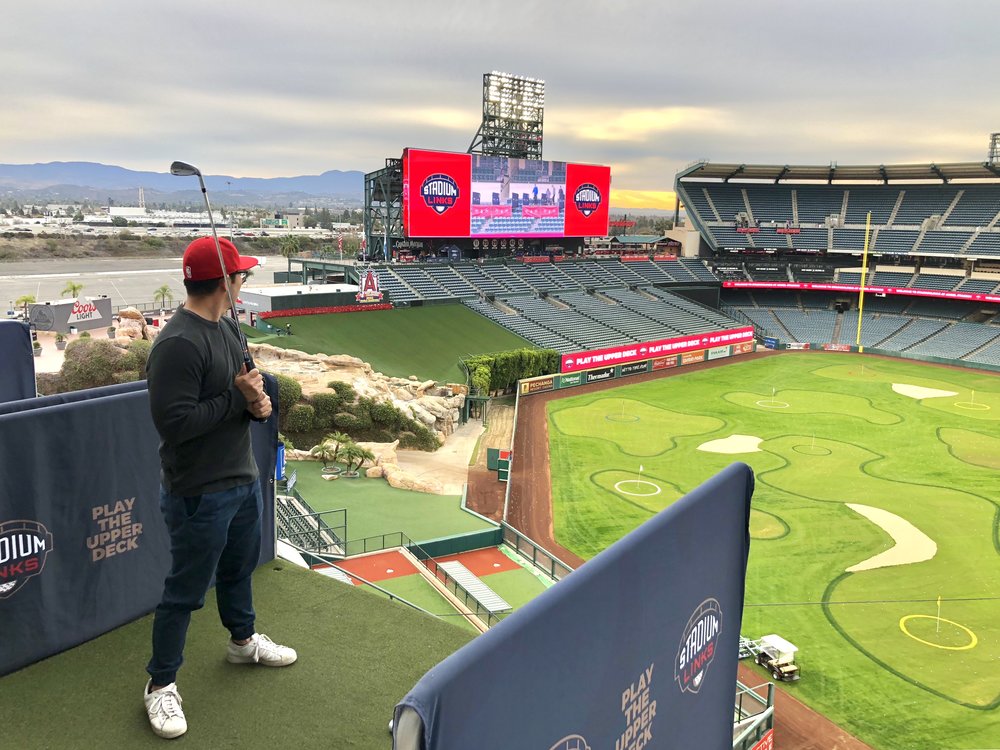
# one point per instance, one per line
(875, 524)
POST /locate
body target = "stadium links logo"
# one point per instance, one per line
(368, 290)
(24, 545)
(571, 742)
(698, 646)
(439, 192)
(587, 198)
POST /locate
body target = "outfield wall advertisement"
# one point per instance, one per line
(546, 383)
(903, 291)
(473, 195)
(637, 352)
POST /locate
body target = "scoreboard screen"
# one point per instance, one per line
(470, 195)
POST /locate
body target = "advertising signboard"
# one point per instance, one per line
(620, 355)
(474, 195)
(831, 287)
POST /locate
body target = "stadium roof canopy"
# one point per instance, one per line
(831, 173)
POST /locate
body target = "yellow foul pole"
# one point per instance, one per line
(864, 276)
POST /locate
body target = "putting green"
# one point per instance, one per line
(830, 435)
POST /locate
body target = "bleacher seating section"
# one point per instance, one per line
(968, 216)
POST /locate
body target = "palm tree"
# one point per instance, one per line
(290, 248)
(354, 452)
(164, 295)
(72, 289)
(25, 300)
(331, 449)
(326, 452)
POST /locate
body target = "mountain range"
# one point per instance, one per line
(76, 180)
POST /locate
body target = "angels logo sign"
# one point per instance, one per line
(439, 192)
(368, 289)
(24, 545)
(698, 644)
(587, 198)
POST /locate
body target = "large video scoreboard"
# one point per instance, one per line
(470, 195)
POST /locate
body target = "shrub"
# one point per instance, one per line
(289, 393)
(301, 418)
(286, 442)
(420, 438)
(362, 411)
(90, 364)
(384, 414)
(327, 405)
(135, 358)
(344, 390)
(346, 421)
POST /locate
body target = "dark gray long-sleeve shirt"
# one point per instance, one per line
(199, 412)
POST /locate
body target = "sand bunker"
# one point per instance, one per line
(919, 392)
(912, 545)
(733, 444)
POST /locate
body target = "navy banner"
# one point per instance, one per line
(17, 362)
(83, 546)
(636, 649)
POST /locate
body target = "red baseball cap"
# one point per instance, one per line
(201, 259)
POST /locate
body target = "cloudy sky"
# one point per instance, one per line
(269, 89)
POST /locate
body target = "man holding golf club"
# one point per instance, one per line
(203, 392)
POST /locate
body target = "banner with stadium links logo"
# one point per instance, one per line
(83, 546)
(635, 649)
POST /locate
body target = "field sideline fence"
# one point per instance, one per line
(531, 550)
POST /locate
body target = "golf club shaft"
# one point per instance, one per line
(247, 359)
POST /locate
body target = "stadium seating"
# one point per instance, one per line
(978, 286)
(976, 208)
(919, 202)
(811, 239)
(816, 203)
(874, 328)
(892, 240)
(879, 201)
(986, 243)
(956, 340)
(943, 243)
(918, 329)
(814, 325)
(936, 282)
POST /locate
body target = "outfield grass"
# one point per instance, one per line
(875, 656)
(373, 507)
(424, 341)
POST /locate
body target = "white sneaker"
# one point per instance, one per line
(163, 707)
(260, 650)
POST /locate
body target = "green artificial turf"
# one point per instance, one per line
(358, 655)
(374, 508)
(516, 587)
(424, 341)
(416, 590)
(875, 657)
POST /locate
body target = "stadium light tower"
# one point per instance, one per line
(513, 109)
(994, 155)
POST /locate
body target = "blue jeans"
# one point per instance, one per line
(218, 534)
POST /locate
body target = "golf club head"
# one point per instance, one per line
(181, 169)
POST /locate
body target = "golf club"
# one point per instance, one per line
(181, 169)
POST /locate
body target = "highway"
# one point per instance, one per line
(124, 280)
